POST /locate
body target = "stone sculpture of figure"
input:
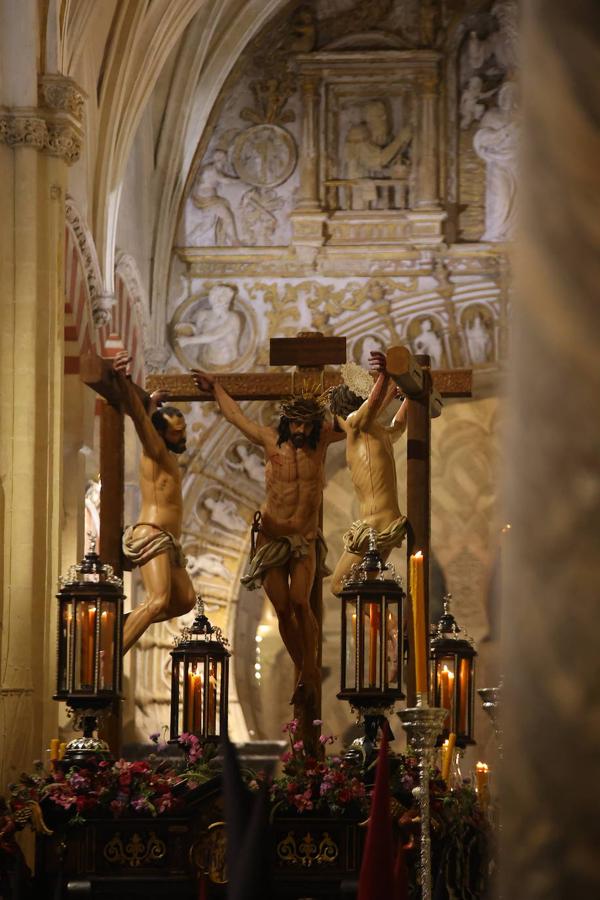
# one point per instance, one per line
(357, 404)
(427, 341)
(223, 512)
(479, 340)
(371, 343)
(496, 143)
(289, 547)
(153, 543)
(471, 108)
(218, 217)
(216, 330)
(249, 463)
(368, 151)
(208, 564)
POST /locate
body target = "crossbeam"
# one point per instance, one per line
(274, 385)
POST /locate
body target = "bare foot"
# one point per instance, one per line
(308, 688)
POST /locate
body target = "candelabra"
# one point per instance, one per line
(423, 724)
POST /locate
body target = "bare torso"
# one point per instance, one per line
(370, 458)
(294, 487)
(160, 485)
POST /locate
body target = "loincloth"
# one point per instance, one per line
(278, 551)
(140, 550)
(356, 539)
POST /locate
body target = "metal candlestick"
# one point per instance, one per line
(490, 699)
(423, 724)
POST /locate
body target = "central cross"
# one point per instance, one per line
(309, 353)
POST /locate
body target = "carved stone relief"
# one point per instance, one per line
(214, 329)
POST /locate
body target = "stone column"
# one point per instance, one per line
(308, 163)
(38, 137)
(551, 652)
(427, 184)
(307, 218)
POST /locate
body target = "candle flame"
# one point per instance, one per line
(482, 767)
(418, 554)
(446, 671)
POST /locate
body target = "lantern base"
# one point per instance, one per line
(84, 751)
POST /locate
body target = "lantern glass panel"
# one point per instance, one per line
(464, 701)
(444, 687)
(85, 641)
(194, 696)
(371, 623)
(107, 645)
(349, 678)
(392, 656)
(65, 667)
(213, 697)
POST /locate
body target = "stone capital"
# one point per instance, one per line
(54, 127)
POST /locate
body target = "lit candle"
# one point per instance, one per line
(417, 594)
(463, 689)
(373, 643)
(54, 748)
(197, 703)
(449, 746)
(482, 774)
(62, 749)
(446, 687)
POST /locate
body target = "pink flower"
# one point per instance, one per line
(299, 745)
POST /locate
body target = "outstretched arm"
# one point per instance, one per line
(377, 399)
(230, 409)
(398, 423)
(152, 443)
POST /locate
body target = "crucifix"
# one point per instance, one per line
(310, 353)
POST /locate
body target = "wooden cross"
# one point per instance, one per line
(310, 353)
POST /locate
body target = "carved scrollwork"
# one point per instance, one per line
(307, 852)
(135, 852)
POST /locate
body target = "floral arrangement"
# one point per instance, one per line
(309, 784)
(147, 787)
(460, 832)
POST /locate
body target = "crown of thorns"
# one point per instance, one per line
(308, 406)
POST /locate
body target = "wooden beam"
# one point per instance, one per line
(97, 373)
(307, 351)
(275, 385)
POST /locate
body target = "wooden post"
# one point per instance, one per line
(112, 487)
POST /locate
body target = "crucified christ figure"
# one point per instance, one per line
(370, 458)
(289, 548)
(153, 543)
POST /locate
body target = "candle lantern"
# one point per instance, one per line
(452, 677)
(199, 681)
(372, 637)
(90, 627)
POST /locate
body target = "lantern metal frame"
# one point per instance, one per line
(201, 653)
(452, 649)
(372, 585)
(89, 650)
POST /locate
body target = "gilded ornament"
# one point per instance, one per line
(135, 852)
(307, 852)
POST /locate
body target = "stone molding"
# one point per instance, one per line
(101, 304)
(55, 126)
(61, 94)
